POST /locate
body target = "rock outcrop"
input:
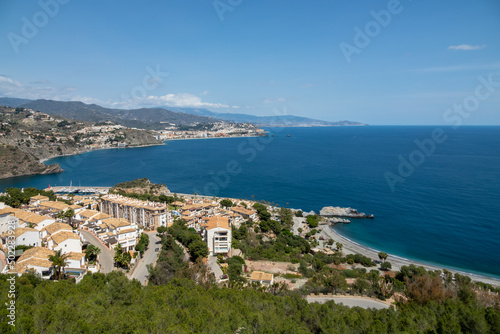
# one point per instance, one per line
(330, 211)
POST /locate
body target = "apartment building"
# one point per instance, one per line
(142, 213)
(217, 234)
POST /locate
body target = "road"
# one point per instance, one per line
(106, 255)
(140, 273)
(350, 301)
(214, 267)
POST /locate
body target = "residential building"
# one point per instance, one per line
(142, 213)
(37, 259)
(245, 213)
(262, 277)
(217, 234)
(8, 221)
(23, 236)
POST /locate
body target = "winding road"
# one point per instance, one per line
(350, 301)
(106, 255)
(140, 272)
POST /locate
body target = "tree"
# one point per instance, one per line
(91, 252)
(122, 259)
(382, 256)
(198, 249)
(69, 214)
(59, 261)
(312, 220)
(226, 203)
(386, 266)
(339, 246)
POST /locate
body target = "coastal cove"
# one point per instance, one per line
(444, 213)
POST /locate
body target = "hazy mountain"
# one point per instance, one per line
(144, 118)
(279, 120)
(12, 102)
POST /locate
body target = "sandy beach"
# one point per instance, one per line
(350, 247)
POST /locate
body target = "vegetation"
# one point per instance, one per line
(122, 259)
(92, 252)
(189, 238)
(226, 203)
(113, 304)
(14, 197)
(313, 220)
(143, 244)
(59, 261)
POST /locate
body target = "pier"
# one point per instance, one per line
(79, 189)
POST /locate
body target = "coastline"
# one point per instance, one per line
(351, 247)
(98, 149)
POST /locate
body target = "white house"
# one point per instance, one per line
(65, 241)
(8, 222)
(27, 236)
(37, 259)
(217, 234)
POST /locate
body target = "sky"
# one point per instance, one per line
(419, 62)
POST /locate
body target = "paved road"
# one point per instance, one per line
(141, 272)
(214, 267)
(105, 257)
(350, 301)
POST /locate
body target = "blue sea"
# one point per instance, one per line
(434, 191)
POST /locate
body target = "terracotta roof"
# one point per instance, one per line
(239, 209)
(20, 231)
(36, 256)
(36, 219)
(75, 256)
(63, 236)
(101, 215)
(127, 201)
(127, 230)
(75, 207)
(39, 198)
(217, 221)
(55, 205)
(88, 213)
(116, 222)
(261, 276)
(54, 227)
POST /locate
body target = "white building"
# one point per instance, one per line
(8, 222)
(65, 241)
(217, 234)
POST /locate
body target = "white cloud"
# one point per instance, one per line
(182, 100)
(466, 47)
(277, 100)
(42, 90)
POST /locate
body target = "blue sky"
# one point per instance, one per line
(260, 57)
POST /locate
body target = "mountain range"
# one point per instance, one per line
(157, 118)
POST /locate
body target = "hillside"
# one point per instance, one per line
(279, 120)
(16, 162)
(29, 136)
(140, 186)
(144, 118)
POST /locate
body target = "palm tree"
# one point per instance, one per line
(91, 252)
(69, 214)
(58, 262)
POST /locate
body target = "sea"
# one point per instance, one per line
(434, 191)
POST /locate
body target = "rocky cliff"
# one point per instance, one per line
(15, 162)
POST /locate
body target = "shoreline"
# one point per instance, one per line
(352, 247)
(98, 149)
